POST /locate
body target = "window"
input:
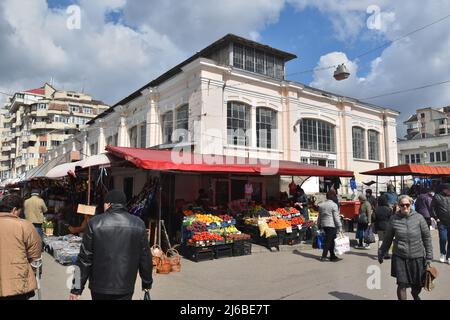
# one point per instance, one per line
(442, 121)
(358, 143)
(304, 160)
(238, 56)
(88, 110)
(109, 141)
(238, 123)
(317, 135)
(55, 143)
(133, 137)
(438, 156)
(266, 127)
(442, 131)
(42, 106)
(93, 148)
(259, 55)
(116, 139)
(143, 133)
(373, 138)
(417, 158)
(331, 164)
(270, 66)
(278, 68)
(43, 143)
(59, 118)
(74, 109)
(183, 122)
(314, 162)
(431, 156)
(20, 95)
(249, 59)
(413, 158)
(167, 127)
(444, 155)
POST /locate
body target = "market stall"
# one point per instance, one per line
(203, 231)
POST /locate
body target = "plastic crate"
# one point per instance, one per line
(198, 254)
(223, 251)
(242, 249)
(349, 209)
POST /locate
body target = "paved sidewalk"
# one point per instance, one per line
(292, 273)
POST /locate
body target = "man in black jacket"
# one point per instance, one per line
(440, 210)
(120, 249)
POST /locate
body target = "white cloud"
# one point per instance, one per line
(112, 59)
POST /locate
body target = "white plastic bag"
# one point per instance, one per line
(341, 244)
(434, 225)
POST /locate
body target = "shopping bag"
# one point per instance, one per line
(431, 274)
(369, 236)
(341, 244)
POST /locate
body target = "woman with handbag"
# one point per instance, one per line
(364, 220)
(413, 249)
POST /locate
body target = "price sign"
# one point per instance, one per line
(289, 230)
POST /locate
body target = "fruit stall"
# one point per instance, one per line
(272, 228)
(207, 236)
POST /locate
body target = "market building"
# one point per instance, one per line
(233, 98)
(39, 120)
(428, 138)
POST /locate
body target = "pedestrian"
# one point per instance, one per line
(35, 208)
(364, 221)
(114, 249)
(333, 196)
(412, 251)
(381, 217)
(330, 221)
(20, 246)
(353, 186)
(440, 211)
(302, 200)
(391, 196)
(423, 204)
(372, 200)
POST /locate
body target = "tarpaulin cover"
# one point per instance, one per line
(165, 160)
(410, 170)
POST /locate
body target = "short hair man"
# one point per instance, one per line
(120, 250)
(35, 208)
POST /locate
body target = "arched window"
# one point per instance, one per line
(317, 135)
(167, 127)
(238, 123)
(182, 123)
(266, 126)
(374, 145)
(359, 143)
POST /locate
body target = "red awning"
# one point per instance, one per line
(165, 160)
(410, 170)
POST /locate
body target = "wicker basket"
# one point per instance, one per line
(175, 260)
(164, 267)
(156, 251)
(176, 268)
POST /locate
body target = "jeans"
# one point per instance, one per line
(101, 296)
(443, 240)
(330, 235)
(40, 232)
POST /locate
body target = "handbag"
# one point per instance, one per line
(369, 236)
(431, 274)
(362, 218)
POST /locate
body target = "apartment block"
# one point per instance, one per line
(38, 120)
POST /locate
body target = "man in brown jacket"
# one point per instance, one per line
(34, 211)
(20, 245)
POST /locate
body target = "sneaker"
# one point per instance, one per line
(322, 259)
(448, 260)
(367, 247)
(442, 258)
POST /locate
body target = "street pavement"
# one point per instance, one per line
(293, 273)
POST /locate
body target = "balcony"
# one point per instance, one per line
(4, 158)
(52, 126)
(6, 148)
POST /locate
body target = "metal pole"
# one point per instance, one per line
(376, 188)
(89, 188)
(160, 215)
(395, 184)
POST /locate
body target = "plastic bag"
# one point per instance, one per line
(341, 244)
(369, 236)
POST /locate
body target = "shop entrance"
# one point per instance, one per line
(168, 205)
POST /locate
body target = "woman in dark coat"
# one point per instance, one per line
(413, 250)
(302, 200)
(381, 219)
